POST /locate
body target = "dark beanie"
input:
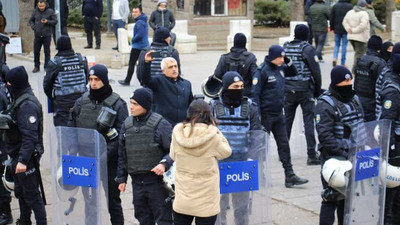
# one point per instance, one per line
(396, 63)
(160, 34)
(361, 3)
(301, 32)
(369, 1)
(275, 51)
(230, 78)
(375, 43)
(396, 48)
(18, 78)
(144, 97)
(386, 45)
(384, 52)
(101, 72)
(64, 43)
(339, 74)
(239, 40)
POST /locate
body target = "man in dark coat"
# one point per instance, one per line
(319, 15)
(162, 17)
(91, 12)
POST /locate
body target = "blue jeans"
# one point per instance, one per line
(117, 24)
(339, 37)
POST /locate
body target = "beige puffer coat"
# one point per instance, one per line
(357, 20)
(197, 174)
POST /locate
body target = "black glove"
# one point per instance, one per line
(288, 61)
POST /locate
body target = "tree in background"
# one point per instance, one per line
(296, 10)
(25, 31)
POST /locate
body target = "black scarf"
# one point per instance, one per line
(100, 94)
(233, 97)
(346, 92)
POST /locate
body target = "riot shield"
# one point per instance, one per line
(79, 176)
(244, 181)
(365, 193)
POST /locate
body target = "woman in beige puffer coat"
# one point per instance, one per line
(196, 146)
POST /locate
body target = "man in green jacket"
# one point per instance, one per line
(319, 15)
(373, 21)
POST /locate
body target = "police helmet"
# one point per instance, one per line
(7, 178)
(212, 87)
(334, 171)
(392, 175)
(169, 179)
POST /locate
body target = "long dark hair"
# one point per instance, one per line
(199, 112)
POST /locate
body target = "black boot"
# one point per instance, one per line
(292, 179)
(313, 159)
(5, 214)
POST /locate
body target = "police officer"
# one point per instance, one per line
(336, 110)
(101, 100)
(390, 96)
(235, 112)
(5, 197)
(239, 60)
(301, 89)
(386, 51)
(143, 154)
(24, 144)
(161, 49)
(367, 70)
(65, 80)
(269, 92)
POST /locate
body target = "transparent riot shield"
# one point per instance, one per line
(244, 181)
(79, 176)
(365, 193)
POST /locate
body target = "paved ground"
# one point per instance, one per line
(298, 206)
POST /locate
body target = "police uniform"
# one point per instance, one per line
(334, 114)
(238, 60)
(144, 143)
(85, 114)
(390, 109)
(65, 80)
(268, 94)
(367, 70)
(235, 121)
(23, 140)
(302, 88)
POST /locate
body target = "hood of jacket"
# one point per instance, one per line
(359, 8)
(200, 136)
(142, 17)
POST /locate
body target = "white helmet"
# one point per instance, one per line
(7, 178)
(392, 175)
(212, 87)
(333, 172)
(169, 179)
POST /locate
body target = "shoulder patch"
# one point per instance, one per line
(387, 104)
(316, 58)
(32, 119)
(255, 81)
(317, 118)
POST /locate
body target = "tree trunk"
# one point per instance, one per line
(389, 9)
(297, 10)
(25, 31)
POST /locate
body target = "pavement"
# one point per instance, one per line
(297, 206)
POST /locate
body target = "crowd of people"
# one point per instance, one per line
(168, 124)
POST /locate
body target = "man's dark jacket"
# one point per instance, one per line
(40, 29)
(64, 11)
(157, 21)
(92, 8)
(319, 14)
(250, 66)
(171, 97)
(338, 12)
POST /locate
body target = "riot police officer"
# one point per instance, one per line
(143, 154)
(390, 106)
(367, 70)
(235, 112)
(65, 80)
(337, 109)
(239, 60)
(301, 89)
(103, 110)
(24, 145)
(269, 93)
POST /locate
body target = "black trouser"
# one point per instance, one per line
(240, 203)
(320, 38)
(61, 117)
(182, 219)
(310, 35)
(368, 105)
(276, 124)
(132, 63)
(5, 196)
(149, 195)
(391, 205)
(306, 101)
(327, 213)
(27, 191)
(114, 200)
(92, 24)
(37, 45)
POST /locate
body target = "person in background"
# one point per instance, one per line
(91, 12)
(120, 13)
(338, 12)
(3, 21)
(373, 21)
(319, 15)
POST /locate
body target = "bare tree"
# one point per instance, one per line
(25, 31)
(296, 10)
(389, 9)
